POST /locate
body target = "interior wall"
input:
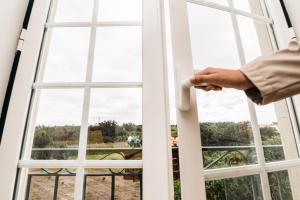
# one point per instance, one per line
(12, 13)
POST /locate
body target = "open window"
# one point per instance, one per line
(88, 104)
(230, 148)
(89, 114)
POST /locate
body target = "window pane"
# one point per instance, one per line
(66, 58)
(241, 188)
(280, 185)
(58, 125)
(270, 135)
(250, 38)
(48, 184)
(109, 184)
(120, 10)
(225, 127)
(220, 1)
(242, 4)
(212, 38)
(118, 54)
(67, 11)
(115, 130)
(252, 6)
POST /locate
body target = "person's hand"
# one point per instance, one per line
(217, 78)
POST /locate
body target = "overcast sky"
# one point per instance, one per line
(118, 58)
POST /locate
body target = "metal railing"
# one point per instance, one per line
(226, 151)
(57, 177)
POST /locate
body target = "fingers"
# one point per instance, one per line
(200, 79)
(204, 76)
(208, 70)
(209, 88)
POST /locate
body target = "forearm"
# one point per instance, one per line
(275, 77)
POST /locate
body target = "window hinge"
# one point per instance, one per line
(21, 40)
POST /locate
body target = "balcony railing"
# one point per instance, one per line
(225, 152)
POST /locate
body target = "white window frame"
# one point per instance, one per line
(156, 163)
(187, 120)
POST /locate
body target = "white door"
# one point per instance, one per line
(88, 116)
(230, 148)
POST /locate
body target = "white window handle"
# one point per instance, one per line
(185, 85)
(184, 103)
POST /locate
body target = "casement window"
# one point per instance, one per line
(89, 114)
(89, 98)
(247, 151)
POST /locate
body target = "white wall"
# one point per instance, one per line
(12, 13)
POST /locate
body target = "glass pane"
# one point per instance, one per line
(280, 185)
(120, 10)
(226, 133)
(58, 125)
(118, 54)
(251, 6)
(66, 187)
(242, 188)
(66, 56)
(115, 131)
(107, 184)
(48, 184)
(212, 38)
(220, 1)
(250, 38)
(67, 11)
(268, 125)
(242, 4)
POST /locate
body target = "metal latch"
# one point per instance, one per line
(21, 40)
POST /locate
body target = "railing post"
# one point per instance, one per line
(84, 187)
(113, 180)
(141, 185)
(56, 186)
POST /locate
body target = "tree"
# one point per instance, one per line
(42, 139)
